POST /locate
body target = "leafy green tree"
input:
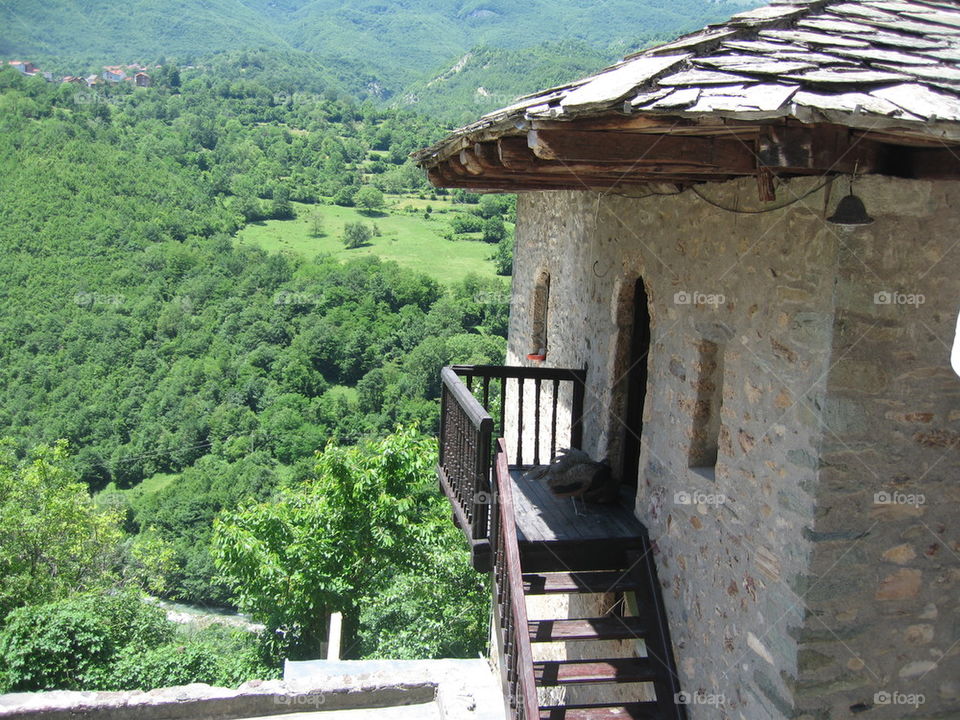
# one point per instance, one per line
(280, 207)
(70, 644)
(53, 539)
(503, 257)
(370, 514)
(356, 234)
(464, 223)
(417, 616)
(369, 199)
(116, 641)
(345, 196)
(493, 204)
(317, 225)
(493, 229)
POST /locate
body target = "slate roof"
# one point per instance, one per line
(891, 66)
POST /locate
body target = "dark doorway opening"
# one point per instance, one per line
(636, 386)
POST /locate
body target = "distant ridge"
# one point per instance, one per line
(403, 45)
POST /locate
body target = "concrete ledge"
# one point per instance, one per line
(461, 690)
(465, 689)
(203, 702)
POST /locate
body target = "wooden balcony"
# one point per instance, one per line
(546, 409)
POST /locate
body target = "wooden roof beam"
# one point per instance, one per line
(716, 154)
(454, 175)
(817, 149)
(517, 157)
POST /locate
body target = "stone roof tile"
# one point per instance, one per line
(849, 60)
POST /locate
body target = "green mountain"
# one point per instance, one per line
(127, 31)
(452, 50)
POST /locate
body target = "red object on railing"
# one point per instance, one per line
(512, 626)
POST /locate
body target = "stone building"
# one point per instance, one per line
(749, 239)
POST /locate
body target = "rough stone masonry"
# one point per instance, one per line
(813, 569)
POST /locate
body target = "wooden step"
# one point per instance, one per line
(576, 582)
(610, 627)
(627, 711)
(579, 672)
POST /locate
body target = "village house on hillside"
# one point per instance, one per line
(27, 68)
(736, 278)
(111, 73)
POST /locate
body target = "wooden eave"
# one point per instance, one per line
(609, 152)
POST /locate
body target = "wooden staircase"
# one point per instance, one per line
(656, 668)
(623, 569)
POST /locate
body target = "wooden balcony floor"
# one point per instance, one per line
(542, 517)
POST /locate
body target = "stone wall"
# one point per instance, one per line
(884, 582)
(746, 549)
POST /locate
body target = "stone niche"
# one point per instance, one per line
(800, 452)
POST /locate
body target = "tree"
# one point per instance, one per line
(280, 207)
(345, 196)
(317, 225)
(368, 199)
(493, 229)
(503, 256)
(70, 644)
(464, 223)
(370, 515)
(115, 641)
(356, 234)
(53, 539)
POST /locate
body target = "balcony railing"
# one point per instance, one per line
(546, 414)
(511, 626)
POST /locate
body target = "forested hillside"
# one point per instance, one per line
(387, 51)
(187, 373)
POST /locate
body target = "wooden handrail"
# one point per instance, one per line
(466, 434)
(511, 371)
(471, 406)
(516, 655)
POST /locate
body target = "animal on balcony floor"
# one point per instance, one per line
(573, 473)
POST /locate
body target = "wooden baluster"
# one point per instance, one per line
(503, 407)
(536, 421)
(520, 421)
(553, 420)
(576, 419)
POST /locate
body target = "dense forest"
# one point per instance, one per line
(149, 358)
